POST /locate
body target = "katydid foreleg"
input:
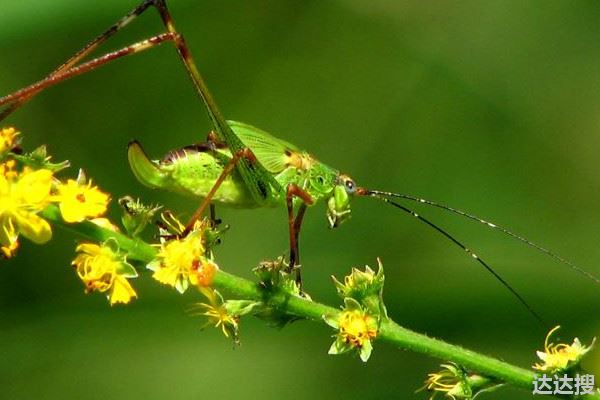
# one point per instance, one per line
(297, 225)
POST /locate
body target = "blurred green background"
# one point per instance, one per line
(488, 106)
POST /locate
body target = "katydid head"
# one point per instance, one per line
(338, 205)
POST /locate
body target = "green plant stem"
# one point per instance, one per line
(136, 248)
(389, 331)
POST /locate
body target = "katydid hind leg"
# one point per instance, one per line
(14, 100)
(78, 56)
(260, 183)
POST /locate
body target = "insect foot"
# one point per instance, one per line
(275, 275)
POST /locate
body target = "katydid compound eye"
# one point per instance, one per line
(350, 186)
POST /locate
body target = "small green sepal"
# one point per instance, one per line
(39, 159)
(136, 215)
(239, 308)
(127, 270)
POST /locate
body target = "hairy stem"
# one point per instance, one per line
(390, 331)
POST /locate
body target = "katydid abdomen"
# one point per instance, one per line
(189, 172)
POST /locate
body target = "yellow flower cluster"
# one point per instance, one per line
(182, 261)
(22, 196)
(25, 193)
(103, 269)
(31, 196)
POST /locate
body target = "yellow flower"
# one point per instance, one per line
(182, 261)
(218, 314)
(451, 381)
(22, 196)
(79, 200)
(8, 139)
(356, 329)
(104, 270)
(560, 356)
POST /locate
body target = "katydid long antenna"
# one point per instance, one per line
(489, 224)
(381, 196)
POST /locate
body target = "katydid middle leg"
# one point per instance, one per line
(214, 220)
(213, 140)
(294, 225)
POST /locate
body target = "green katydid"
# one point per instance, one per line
(240, 165)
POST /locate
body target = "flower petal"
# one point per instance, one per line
(122, 291)
(88, 248)
(33, 227)
(166, 275)
(34, 187)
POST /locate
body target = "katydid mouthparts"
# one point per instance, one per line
(242, 166)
